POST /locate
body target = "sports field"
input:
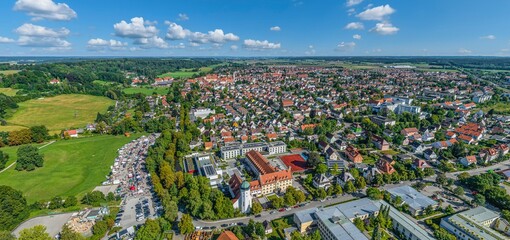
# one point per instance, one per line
(146, 90)
(71, 167)
(60, 112)
(187, 73)
(8, 91)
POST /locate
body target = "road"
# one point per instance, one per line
(267, 215)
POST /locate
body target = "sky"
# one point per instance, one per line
(254, 28)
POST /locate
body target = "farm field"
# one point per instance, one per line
(8, 91)
(146, 90)
(9, 72)
(60, 112)
(187, 73)
(71, 167)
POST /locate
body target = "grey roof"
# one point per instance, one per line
(306, 215)
(471, 221)
(411, 197)
(406, 223)
(359, 207)
(339, 225)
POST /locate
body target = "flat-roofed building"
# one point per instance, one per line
(305, 219)
(236, 149)
(417, 202)
(475, 223)
(334, 225)
(402, 224)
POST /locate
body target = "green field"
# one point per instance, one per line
(71, 167)
(60, 112)
(146, 90)
(188, 73)
(8, 91)
(9, 72)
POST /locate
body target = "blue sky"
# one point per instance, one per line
(255, 28)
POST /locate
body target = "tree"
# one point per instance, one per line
(6, 235)
(441, 179)
(70, 201)
(314, 159)
(321, 168)
(459, 191)
(39, 133)
(360, 183)
(13, 208)
(377, 234)
(256, 208)
(349, 187)
(29, 158)
(289, 199)
(35, 233)
(299, 196)
(166, 174)
(463, 176)
(479, 200)
(359, 224)
(186, 224)
(150, 230)
(4, 157)
(321, 193)
(374, 193)
(68, 234)
(100, 228)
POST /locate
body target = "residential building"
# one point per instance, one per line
(380, 143)
(353, 154)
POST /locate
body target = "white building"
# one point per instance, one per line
(475, 223)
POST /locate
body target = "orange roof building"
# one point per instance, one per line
(227, 235)
(270, 179)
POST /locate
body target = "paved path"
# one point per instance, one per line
(267, 215)
(12, 164)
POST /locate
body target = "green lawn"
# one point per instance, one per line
(9, 128)
(498, 107)
(146, 90)
(188, 73)
(8, 91)
(9, 72)
(60, 112)
(71, 167)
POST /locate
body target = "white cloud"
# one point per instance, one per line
(177, 32)
(31, 35)
(345, 46)
(260, 45)
(137, 28)
(355, 26)
(152, 42)
(98, 44)
(234, 47)
(275, 29)
(45, 42)
(183, 17)
(385, 28)
(464, 51)
(45, 9)
(356, 36)
(351, 11)
(6, 40)
(311, 50)
(488, 37)
(32, 30)
(377, 13)
(351, 3)
(178, 46)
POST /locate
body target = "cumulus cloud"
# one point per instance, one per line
(356, 36)
(152, 42)
(98, 44)
(351, 3)
(45, 9)
(218, 36)
(385, 28)
(275, 29)
(377, 13)
(260, 45)
(178, 46)
(6, 40)
(488, 37)
(355, 26)
(311, 50)
(234, 47)
(31, 35)
(345, 46)
(137, 28)
(183, 17)
(32, 30)
(464, 51)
